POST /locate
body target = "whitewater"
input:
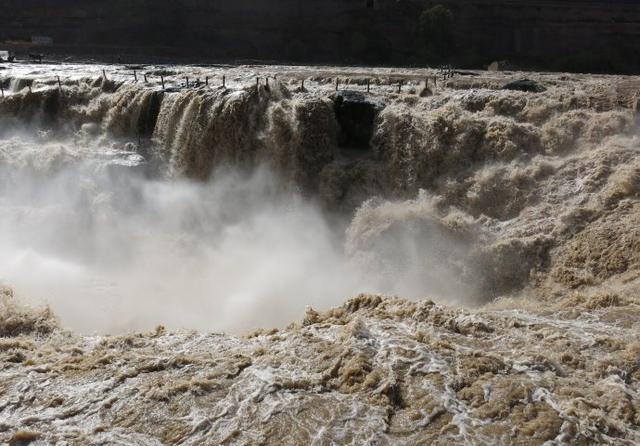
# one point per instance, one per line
(485, 239)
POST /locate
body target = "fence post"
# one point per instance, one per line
(302, 84)
(224, 80)
(368, 85)
(337, 83)
(257, 82)
(399, 86)
(104, 75)
(187, 79)
(162, 80)
(206, 81)
(266, 80)
(145, 78)
(135, 75)
(59, 83)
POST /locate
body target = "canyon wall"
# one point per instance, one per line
(578, 35)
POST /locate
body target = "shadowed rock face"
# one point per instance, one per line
(525, 85)
(580, 35)
(355, 114)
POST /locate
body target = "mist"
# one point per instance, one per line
(112, 250)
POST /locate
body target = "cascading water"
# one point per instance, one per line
(125, 204)
(467, 183)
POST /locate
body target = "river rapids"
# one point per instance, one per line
(177, 244)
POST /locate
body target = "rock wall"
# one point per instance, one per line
(570, 34)
(576, 35)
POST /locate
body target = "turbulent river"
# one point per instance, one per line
(489, 239)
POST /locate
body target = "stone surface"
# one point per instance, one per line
(579, 35)
(355, 114)
(525, 85)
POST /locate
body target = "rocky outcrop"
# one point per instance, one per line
(355, 114)
(525, 85)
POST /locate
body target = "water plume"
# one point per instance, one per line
(455, 195)
(111, 250)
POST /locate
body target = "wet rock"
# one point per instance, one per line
(525, 85)
(356, 114)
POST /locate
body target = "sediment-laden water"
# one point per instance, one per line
(506, 222)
